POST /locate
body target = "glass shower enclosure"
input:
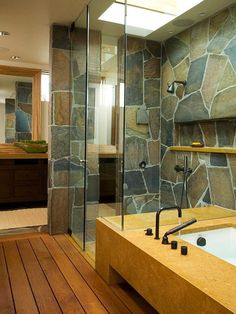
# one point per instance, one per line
(96, 125)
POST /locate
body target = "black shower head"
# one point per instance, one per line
(171, 86)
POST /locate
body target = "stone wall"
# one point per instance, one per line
(142, 125)
(59, 130)
(205, 56)
(67, 127)
(23, 111)
(10, 120)
(78, 128)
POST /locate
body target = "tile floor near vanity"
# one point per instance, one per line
(20, 218)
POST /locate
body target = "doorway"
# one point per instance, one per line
(23, 184)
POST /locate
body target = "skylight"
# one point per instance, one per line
(146, 16)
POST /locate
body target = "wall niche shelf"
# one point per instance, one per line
(218, 150)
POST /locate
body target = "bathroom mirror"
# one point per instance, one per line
(28, 83)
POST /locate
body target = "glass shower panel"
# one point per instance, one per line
(142, 120)
(77, 173)
(104, 122)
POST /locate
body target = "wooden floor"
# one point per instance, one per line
(44, 274)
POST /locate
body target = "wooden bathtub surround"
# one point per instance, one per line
(170, 282)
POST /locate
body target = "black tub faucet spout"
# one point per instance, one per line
(158, 217)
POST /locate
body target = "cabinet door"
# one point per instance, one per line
(6, 186)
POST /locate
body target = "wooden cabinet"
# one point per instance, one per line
(23, 180)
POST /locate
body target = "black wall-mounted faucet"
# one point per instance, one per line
(158, 217)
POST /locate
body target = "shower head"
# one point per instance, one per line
(171, 86)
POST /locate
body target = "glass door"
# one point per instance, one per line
(96, 137)
(78, 118)
(104, 122)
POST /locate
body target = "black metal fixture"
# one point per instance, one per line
(171, 86)
(158, 217)
(186, 173)
(177, 228)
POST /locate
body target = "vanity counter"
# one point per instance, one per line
(10, 151)
(169, 281)
(23, 176)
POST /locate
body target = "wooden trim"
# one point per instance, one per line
(36, 107)
(36, 94)
(220, 150)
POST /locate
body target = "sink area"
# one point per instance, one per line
(220, 242)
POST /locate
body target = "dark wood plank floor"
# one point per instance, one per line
(44, 274)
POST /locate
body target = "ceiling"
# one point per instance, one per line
(28, 22)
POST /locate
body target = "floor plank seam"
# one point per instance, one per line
(9, 280)
(75, 269)
(50, 285)
(90, 286)
(27, 276)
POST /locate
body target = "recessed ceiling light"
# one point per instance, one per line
(170, 32)
(202, 13)
(4, 33)
(15, 57)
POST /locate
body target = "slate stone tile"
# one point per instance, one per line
(135, 152)
(60, 37)
(134, 184)
(130, 207)
(195, 75)
(154, 47)
(134, 82)
(230, 51)
(151, 206)
(167, 195)
(190, 133)
(168, 106)
(222, 192)
(167, 167)
(213, 76)
(151, 176)
(222, 37)
(218, 160)
(207, 197)
(176, 50)
(216, 22)
(167, 132)
(191, 108)
(179, 190)
(197, 184)
(223, 105)
(163, 151)
(226, 133)
(228, 77)
(60, 142)
(152, 93)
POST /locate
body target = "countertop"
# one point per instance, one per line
(10, 151)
